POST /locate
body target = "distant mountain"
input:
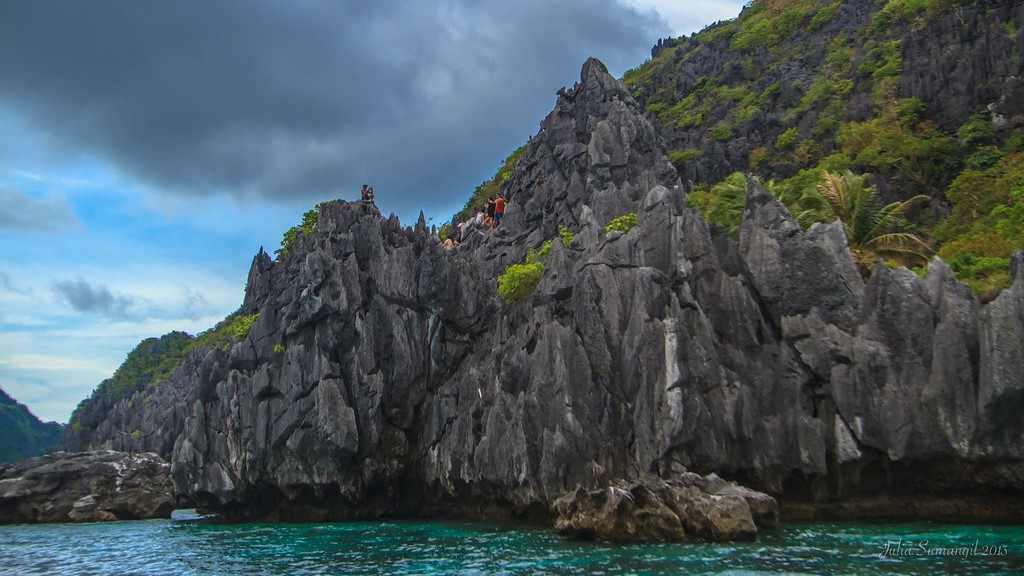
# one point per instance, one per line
(23, 434)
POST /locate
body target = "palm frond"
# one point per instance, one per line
(871, 229)
(903, 242)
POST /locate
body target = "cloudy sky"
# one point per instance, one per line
(148, 149)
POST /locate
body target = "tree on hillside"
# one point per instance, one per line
(730, 198)
(871, 228)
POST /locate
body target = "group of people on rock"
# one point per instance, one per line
(488, 216)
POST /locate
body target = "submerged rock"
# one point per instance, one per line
(94, 486)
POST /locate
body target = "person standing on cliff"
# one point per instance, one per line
(489, 207)
(367, 194)
(499, 209)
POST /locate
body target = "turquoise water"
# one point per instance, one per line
(164, 547)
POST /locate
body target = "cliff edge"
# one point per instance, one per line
(385, 376)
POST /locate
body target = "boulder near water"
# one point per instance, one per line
(687, 507)
(95, 486)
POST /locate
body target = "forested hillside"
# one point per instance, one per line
(151, 362)
(23, 434)
(903, 98)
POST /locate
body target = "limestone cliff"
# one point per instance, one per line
(956, 58)
(385, 376)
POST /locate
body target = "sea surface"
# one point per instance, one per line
(166, 547)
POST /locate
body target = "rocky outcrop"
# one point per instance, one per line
(653, 510)
(385, 376)
(86, 487)
(968, 61)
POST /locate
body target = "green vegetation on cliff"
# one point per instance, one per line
(871, 227)
(24, 435)
(986, 224)
(794, 90)
(520, 280)
(155, 360)
(232, 329)
(291, 235)
(622, 224)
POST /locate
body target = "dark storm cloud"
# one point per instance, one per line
(306, 98)
(95, 299)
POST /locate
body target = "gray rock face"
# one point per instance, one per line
(594, 150)
(968, 61)
(149, 422)
(796, 272)
(1000, 391)
(385, 376)
(86, 487)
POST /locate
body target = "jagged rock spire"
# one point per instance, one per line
(596, 149)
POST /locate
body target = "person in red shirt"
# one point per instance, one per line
(499, 209)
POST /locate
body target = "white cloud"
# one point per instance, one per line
(52, 368)
(48, 363)
(51, 358)
(684, 18)
(22, 320)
